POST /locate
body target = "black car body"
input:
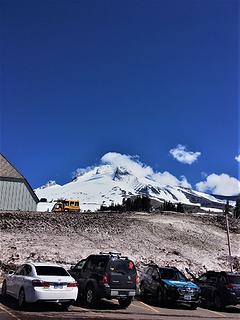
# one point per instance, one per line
(169, 286)
(106, 275)
(219, 289)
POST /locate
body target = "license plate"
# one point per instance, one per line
(124, 293)
(187, 297)
(58, 286)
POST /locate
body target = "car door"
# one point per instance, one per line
(17, 281)
(85, 274)
(77, 269)
(10, 281)
(154, 284)
(147, 280)
(202, 283)
(212, 286)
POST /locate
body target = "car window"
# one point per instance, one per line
(19, 271)
(26, 270)
(203, 278)
(96, 263)
(172, 274)
(212, 278)
(89, 265)
(181, 276)
(122, 266)
(149, 271)
(80, 264)
(51, 271)
(155, 273)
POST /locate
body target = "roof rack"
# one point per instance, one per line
(171, 267)
(111, 253)
(124, 257)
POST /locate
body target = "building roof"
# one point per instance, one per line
(7, 170)
(9, 173)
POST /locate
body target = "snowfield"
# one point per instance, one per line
(181, 240)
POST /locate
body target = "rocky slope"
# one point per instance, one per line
(175, 239)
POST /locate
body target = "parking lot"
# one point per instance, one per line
(111, 310)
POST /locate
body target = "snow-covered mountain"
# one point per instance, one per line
(120, 176)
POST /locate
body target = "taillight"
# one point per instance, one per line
(131, 265)
(137, 279)
(39, 283)
(105, 278)
(72, 285)
(230, 286)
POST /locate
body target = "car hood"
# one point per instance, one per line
(180, 284)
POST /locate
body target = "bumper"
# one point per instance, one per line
(37, 295)
(232, 299)
(109, 293)
(175, 297)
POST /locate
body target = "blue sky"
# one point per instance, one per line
(83, 78)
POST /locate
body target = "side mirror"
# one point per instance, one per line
(72, 267)
(10, 272)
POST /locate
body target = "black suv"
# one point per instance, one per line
(219, 289)
(169, 286)
(106, 275)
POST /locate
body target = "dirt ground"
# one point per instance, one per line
(193, 241)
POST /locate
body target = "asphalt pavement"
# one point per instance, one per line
(110, 310)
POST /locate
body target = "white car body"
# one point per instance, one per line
(32, 278)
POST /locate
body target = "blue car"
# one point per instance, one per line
(169, 286)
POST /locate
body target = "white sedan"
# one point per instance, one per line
(41, 282)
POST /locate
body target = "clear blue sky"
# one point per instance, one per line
(82, 78)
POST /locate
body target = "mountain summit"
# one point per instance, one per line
(119, 176)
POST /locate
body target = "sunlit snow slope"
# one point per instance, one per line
(120, 176)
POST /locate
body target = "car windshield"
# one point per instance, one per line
(234, 279)
(170, 274)
(50, 271)
(122, 266)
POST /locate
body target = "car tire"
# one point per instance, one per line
(4, 289)
(125, 303)
(90, 296)
(218, 304)
(64, 306)
(193, 306)
(142, 292)
(160, 298)
(21, 302)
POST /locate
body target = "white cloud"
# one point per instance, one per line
(221, 184)
(237, 158)
(134, 166)
(181, 154)
(167, 179)
(81, 171)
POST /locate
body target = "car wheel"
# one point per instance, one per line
(218, 304)
(193, 306)
(65, 306)
(160, 297)
(90, 296)
(21, 300)
(142, 291)
(124, 303)
(4, 288)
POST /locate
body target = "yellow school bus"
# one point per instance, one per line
(66, 206)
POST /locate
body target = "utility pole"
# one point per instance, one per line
(228, 237)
